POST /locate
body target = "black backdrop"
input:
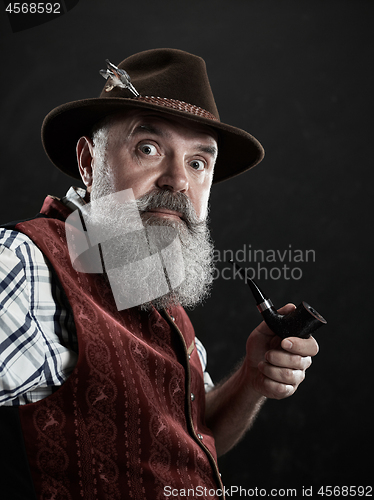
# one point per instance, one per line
(298, 75)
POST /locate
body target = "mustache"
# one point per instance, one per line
(178, 202)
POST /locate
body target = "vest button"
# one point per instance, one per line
(192, 396)
(200, 437)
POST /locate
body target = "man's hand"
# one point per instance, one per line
(276, 367)
(272, 368)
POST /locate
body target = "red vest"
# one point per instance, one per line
(129, 421)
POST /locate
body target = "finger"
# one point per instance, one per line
(286, 309)
(275, 390)
(286, 376)
(284, 359)
(302, 347)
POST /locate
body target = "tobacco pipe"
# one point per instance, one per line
(301, 322)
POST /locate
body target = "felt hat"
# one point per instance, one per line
(170, 81)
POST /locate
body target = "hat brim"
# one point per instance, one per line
(238, 151)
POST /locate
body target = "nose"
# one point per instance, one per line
(173, 176)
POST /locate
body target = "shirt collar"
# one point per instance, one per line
(74, 198)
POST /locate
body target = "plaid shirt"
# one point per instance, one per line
(38, 342)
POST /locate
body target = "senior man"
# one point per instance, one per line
(104, 402)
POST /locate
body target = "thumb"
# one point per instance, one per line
(286, 309)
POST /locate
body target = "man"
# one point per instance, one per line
(102, 401)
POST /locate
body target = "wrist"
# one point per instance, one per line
(250, 379)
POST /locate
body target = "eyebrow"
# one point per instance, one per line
(211, 150)
(146, 127)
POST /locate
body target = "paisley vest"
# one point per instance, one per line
(129, 421)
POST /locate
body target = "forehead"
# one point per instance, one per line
(138, 120)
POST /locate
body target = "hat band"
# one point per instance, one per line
(179, 105)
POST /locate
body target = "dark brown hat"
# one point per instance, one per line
(169, 81)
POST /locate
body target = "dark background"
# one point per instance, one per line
(298, 75)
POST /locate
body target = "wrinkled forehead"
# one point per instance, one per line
(126, 123)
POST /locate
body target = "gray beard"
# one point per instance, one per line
(195, 243)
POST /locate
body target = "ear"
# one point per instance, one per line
(85, 160)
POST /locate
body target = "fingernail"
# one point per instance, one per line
(287, 344)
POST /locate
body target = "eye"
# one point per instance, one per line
(198, 164)
(148, 149)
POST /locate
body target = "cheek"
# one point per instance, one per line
(119, 166)
(130, 178)
(130, 171)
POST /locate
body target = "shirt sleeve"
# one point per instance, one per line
(208, 383)
(33, 356)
